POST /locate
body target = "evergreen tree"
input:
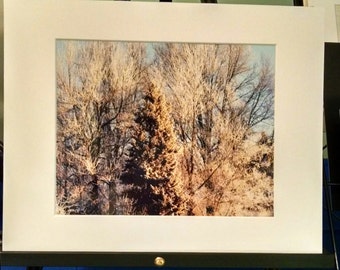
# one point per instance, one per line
(151, 165)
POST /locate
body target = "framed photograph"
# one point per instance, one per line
(332, 17)
(129, 129)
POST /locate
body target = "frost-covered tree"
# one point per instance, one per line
(97, 86)
(220, 100)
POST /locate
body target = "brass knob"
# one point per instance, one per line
(159, 261)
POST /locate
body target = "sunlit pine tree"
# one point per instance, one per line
(152, 161)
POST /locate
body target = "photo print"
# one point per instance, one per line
(178, 129)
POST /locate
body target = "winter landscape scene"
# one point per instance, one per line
(178, 129)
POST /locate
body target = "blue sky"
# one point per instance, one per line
(265, 50)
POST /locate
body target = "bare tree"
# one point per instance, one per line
(97, 86)
(219, 100)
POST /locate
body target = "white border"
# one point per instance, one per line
(31, 28)
(331, 31)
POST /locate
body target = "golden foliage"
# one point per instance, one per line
(184, 130)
